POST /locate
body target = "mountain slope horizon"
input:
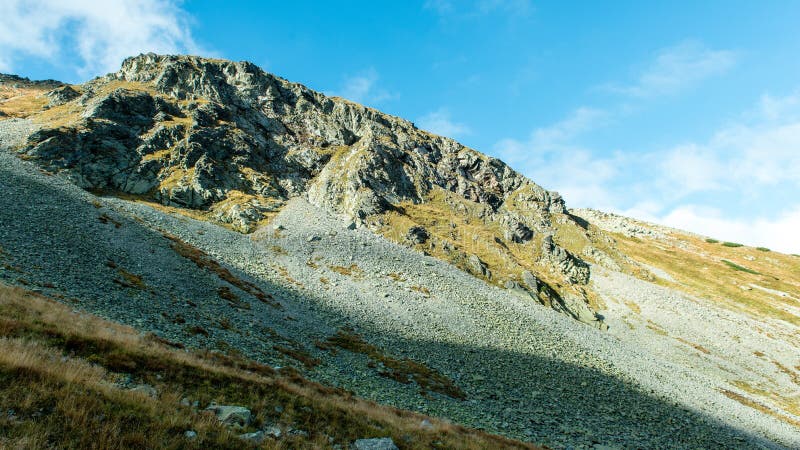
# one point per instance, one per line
(290, 214)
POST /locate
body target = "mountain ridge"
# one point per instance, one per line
(235, 142)
(316, 234)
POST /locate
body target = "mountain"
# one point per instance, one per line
(222, 207)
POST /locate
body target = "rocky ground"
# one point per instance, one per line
(524, 370)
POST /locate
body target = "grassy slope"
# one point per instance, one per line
(59, 371)
(725, 275)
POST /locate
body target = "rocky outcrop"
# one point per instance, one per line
(571, 267)
(61, 95)
(189, 131)
(235, 143)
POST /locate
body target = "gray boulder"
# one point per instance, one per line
(145, 389)
(256, 437)
(478, 267)
(231, 415)
(375, 444)
(530, 281)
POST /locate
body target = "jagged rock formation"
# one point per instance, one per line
(233, 143)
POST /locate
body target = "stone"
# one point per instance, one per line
(518, 232)
(231, 415)
(145, 389)
(273, 431)
(256, 437)
(375, 444)
(478, 267)
(417, 235)
(530, 281)
(190, 434)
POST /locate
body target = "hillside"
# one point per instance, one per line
(223, 208)
(117, 372)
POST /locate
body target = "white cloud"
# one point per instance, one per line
(772, 108)
(780, 233)
(579, 121)
(440, 122)
(100, 34)
(363, 88)
(705, 186)
(557, 138)
(551, 158)
(747, 157)
(676, 68)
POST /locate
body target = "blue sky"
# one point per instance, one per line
(683, 113)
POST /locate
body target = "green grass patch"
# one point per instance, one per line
(735, 266)
(731, 244)
(712, 241)
(763, 249)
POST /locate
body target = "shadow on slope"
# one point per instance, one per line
(53, 237)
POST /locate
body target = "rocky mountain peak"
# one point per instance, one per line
(227, 142)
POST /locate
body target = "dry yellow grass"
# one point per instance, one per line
(22, 102)
(454, 235)
(351, 271)
(790, 406)
(699, 269)
(58, 373)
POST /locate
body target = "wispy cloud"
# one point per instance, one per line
(579, 121)
(479, 7)
(440, 122)
(515, 7)
(363, 88)
(750, 162)
(676, 68)
(440, 6)
(550, 156)
(779, 233)
(101, 36)
(555, 138)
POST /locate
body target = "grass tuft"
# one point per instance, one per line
(735, 266)
(732, 244)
